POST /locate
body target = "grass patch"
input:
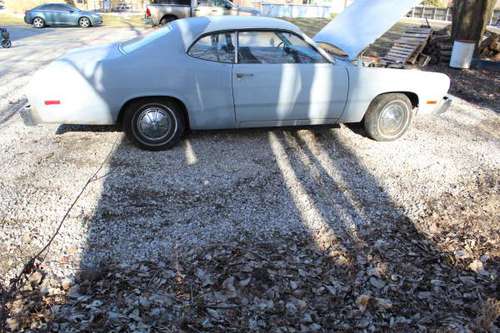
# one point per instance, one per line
(110, 20)
(10, 19)
(123, 20)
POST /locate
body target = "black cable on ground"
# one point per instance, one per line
(29, 267)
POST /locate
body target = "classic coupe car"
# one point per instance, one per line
(235, 72)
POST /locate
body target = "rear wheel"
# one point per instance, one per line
(38, 22)
(154, 124)
(6, 44)
(84, 22)
(389, 116)
(167, 19)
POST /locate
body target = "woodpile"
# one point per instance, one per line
(439, 47)
(407, 49)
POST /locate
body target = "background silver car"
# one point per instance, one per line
(61, 14)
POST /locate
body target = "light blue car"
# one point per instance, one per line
(61, 14)
(220, 72)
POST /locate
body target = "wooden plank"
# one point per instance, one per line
(423, 36)
(400, 52)
(397, 58)
(402, 48)
(419, 32)
(406, 44)
(391, 60)
(411, 39)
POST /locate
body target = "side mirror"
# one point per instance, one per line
(227, 6)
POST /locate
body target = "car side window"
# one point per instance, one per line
(275, 47)
(219, 47)
(55, 7)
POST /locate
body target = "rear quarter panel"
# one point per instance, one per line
(366, 83)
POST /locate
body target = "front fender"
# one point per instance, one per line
(366, 83)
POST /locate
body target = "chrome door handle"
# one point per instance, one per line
(242, 75)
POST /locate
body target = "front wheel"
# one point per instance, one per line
(38, 22)
(84, 22)
(388, 117)
(154, 124)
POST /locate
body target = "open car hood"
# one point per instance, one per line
(362, 23)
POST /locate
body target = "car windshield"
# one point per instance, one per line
(138, 42)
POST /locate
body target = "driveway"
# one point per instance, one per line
(331, 186)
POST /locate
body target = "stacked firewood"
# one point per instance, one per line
(439, 47)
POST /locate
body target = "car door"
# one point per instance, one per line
(280, 79)
(69, 15)
(211, 60)
(59, 14)
(48, 13)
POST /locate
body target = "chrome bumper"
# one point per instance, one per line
(29, 116)
(444, 106)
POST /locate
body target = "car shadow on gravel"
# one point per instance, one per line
(296, 236)
(282, 230)
(63, 129)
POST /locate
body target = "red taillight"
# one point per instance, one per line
(53, 102)
(148, 12)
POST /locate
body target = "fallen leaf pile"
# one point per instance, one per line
(380, 282)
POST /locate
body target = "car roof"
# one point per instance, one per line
(242, 22)
(192, 28)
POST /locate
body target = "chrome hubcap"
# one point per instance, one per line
(392, 118)
(85, 22)
(154, 123)
(38, 22)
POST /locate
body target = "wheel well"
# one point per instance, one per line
(411, 96)
(167, 16)
(177, 101)
(88, 18)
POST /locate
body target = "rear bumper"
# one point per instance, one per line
(29, 116)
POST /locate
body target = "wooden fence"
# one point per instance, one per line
(423, 12)
(444, 14)
(278, 10)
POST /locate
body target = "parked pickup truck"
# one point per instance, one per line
(160, 12)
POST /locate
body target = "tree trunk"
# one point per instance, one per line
(470, 18)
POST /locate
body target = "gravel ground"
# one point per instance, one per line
(327, 184)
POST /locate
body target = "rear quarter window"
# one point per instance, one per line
(136, 43)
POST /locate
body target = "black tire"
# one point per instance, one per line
(84, 22)
(6, 44)
(138, 111)
(167, 19)
(38, 22)
(388, 117)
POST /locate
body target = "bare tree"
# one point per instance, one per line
(470, 18)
